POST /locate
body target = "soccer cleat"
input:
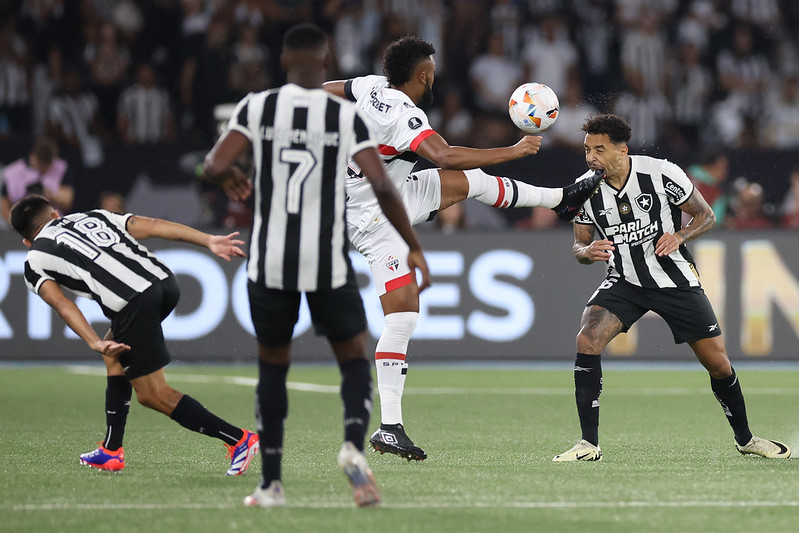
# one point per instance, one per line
(271, 496)
(576, 194)
(241, 453)
(770, 449)
(104, 459)
(582, 451)
(364, 488)
(391, 438)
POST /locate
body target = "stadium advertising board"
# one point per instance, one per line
(496, 296)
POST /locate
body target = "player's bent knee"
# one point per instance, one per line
(588, 343)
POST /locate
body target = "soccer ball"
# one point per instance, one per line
(533, 107)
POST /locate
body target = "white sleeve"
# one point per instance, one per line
(357, 88)
(410, 129)
(118, 219)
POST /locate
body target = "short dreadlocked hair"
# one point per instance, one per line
(304, 36)
(615, 127)
(402, 56)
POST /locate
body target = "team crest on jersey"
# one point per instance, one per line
(392, 263)
(625, 208)
(644, 201)
(415, 123)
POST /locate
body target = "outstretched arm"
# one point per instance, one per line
(223, 246)
(436, 150)
(390, 202)
(702, 221)
(336, 87)
(51, 293)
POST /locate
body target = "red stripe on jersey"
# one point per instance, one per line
(419, 138)
(390, 355)
(385, 149)
(396, 283)
(501, 193)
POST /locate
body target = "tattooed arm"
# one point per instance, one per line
(702, 220)
(586, 249)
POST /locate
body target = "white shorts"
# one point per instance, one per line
(383, 246)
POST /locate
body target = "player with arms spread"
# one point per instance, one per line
(391, 107)
(637, 212)
(97, 255)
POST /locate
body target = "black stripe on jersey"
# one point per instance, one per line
(241, 119)
(31, 275)
(361, 130)
(348, 91)
(666, 263)
(265, 184)
(98, 273)
(134, 247)
(328, 198)
(78, 285)
(291, 252)
(637, 254)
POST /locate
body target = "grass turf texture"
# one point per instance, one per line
(669, 462)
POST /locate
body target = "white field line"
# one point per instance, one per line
(495, 391)
(28, 507)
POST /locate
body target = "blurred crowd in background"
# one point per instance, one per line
(94, 90)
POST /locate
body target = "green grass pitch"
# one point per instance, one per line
(490, 432)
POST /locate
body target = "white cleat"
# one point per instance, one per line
(582, 451)
(770, 449)
(364, 488)
(271, 496)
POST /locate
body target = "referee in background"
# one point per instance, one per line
(301, 138)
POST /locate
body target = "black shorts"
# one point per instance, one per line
(687, 311)
(139, 326)
(336, 313)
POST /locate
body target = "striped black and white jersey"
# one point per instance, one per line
(92, 255)
(635, 217)
(301, 141)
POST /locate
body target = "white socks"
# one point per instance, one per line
(500, 192)
(391, 366)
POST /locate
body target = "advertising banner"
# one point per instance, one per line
(495, 296)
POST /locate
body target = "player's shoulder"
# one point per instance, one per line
(370, 81)
(647, 163)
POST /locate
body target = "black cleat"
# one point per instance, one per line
(391, 438)
(576, 194)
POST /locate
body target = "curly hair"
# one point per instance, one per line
(616, 128)
(402, 56)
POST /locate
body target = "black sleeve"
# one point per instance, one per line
(348, 91)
